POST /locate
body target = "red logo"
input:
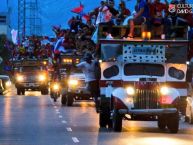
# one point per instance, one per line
(172, 8)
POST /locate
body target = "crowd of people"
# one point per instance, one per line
(78, 38)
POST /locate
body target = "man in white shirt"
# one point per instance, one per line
(88, 66)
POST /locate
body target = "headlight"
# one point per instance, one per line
(19, 78)
(73, 82)
(8, 83)
(130, 90)
(42, 77)
(164, 90)
(56, 87)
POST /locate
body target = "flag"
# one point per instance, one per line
(86, 17)
(78, 10)
(14, 34)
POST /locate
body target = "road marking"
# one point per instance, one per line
(57, 112)
(69, 129)
(63, 121)
(75, 140)
(60, 116)
(55, 107)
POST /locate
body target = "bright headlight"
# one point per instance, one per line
(130, 90)
(42, 77)
(8, 83)
(56, 87)
(19, 78)
(73, 82)
(164, 90)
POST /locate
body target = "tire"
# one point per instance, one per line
(102, 120)
(44, 91)
(18, 91)
(23, 91)
(173, 122)
(70, 99)
(104, 113)
(162, 122)
(55, 99)
(117, 121)
(63, 100)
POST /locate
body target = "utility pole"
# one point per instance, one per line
(21, 19)
(29, 22)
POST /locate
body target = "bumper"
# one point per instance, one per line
(148, 111)
(79, 91)
(33, 85)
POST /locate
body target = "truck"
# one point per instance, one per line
(31, 74)
(143, 79)
(72, 80)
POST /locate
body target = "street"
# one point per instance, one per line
(34, 119)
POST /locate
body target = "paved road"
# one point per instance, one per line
(36, 120)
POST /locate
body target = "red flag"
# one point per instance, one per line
(78, 9)
(86, 17)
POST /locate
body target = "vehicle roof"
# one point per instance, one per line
(4, 76)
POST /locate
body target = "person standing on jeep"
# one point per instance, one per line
(91, 70)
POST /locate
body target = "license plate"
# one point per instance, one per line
(148, 79)
(144, 51)
(31, 84)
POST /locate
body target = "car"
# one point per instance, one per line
(6, 82)
(1, 87)
(189, 110)
(77, 88)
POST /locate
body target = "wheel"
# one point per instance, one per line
(104, 113)
(117, 121)
(55, 99)
(173, 122)
(70, 99)
(104, 118)
(23, 91)
(63, 99)
(44, 91)
(162, 122)
(18, 91)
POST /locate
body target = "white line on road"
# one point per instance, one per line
(60, 116)
(69, 129)
(57, 112)
(75, 140)
(63, 121)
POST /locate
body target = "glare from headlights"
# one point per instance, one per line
(164, 90)
(8, 83)
(19, 78)
(56, 87)
(130, 90)
(42, 77)
(73, 82)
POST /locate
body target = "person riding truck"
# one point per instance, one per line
(91, 72)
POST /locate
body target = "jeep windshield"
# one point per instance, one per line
(30, 68)
(111, 52)
(131, 69)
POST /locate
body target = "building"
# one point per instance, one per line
(4, 23)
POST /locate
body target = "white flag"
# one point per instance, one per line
(14, 36)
